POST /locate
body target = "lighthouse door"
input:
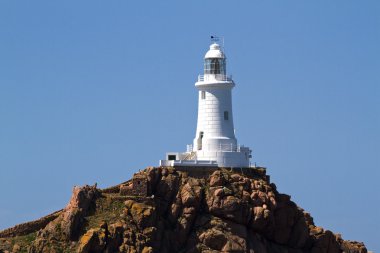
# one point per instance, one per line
(199, 141)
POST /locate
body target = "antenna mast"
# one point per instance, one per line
(216, 39)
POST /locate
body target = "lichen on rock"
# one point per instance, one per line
(181, 211)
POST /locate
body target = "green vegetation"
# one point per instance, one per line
(22, 241)
(109, 207)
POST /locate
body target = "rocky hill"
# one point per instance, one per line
(179, 210)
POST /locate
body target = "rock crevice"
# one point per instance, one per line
(224, 211)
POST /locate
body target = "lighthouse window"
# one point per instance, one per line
(172, 157)
(225, 115)
(203, 94)
(215, 66)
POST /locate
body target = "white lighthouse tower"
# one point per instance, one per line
(215, 143)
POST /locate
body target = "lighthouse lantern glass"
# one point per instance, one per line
(216, 66)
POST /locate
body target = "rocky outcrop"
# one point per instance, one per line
(29, 227)
(68, 225)
(225, 211)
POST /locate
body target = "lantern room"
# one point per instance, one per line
(215, 61)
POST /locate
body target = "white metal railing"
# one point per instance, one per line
(213, 77)
(228, 147)
(221, 147)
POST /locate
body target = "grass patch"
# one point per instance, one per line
(23, 241)
(108, 209)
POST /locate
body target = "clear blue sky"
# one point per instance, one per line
(91, 91)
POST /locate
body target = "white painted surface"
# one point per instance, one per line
(215, 52)
(216, 130)
(215, 142)
(200, 163)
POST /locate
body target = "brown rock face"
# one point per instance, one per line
(67, 226)
(179, 212)
(79, 206)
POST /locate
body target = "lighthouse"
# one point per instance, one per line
(215, 143)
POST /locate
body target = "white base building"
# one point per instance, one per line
(214, 143)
